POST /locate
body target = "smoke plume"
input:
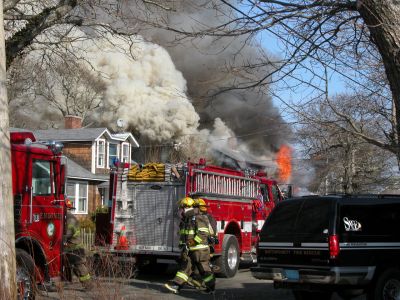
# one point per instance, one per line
(167, 88)
(213, 67)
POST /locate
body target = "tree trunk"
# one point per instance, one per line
(383, 20)
(7, 239)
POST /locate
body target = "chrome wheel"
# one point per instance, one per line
(391, 290)
(232, 257)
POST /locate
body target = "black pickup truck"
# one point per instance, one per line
(317, 245)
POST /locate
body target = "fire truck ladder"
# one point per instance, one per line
(208, 183)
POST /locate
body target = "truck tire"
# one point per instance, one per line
(26, 282)
(387, 286)
(228, 261)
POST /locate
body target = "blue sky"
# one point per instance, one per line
(336, 82)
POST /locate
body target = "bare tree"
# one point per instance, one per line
(7, 240)
(337, 35)
(71, 88)
(26, 20)
(343, 161)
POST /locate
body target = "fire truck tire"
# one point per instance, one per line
(228, 261)
(26, 285)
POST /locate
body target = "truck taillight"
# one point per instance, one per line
(334, 247)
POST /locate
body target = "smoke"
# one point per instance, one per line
(212, 66)
(167, 88)
(145, 90)
(141, 86)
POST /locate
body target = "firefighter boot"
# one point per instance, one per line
(196, 283)
(172, 287)
(209, 290)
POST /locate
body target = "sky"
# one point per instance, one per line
(336, 82)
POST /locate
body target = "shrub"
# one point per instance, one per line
(87, 223)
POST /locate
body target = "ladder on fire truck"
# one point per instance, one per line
(208, 183)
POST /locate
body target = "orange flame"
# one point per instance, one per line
(284, 161)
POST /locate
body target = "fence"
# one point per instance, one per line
(87, 238)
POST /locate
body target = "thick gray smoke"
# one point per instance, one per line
(185, 90)
(212, 66)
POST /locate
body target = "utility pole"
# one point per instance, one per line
(8, 286)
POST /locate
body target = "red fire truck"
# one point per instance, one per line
(38, 178)
(144, 214)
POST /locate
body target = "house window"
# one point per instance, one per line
(104, 196)
(101, 153)
(112, 154)
(126, 154)
(77, 192)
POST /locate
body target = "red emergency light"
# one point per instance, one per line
(23, 137)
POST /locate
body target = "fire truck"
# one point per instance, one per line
(38, 181)
(143, 215)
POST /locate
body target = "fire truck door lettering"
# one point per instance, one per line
(50, 216)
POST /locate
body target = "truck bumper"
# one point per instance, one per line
(324, 276)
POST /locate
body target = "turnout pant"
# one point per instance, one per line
(77, 262)
(199, 259)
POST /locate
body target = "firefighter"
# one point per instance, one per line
(194, 235)
(204, 277)
(186, 230)
(74, 250)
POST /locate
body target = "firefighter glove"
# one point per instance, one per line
(191, 243)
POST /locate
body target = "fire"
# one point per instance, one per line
(284, 161)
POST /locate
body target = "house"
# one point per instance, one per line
(90, 153)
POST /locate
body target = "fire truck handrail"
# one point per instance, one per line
(222, 197)
(226, 175)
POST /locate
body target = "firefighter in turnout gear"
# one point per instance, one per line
(74, 250)
(205, 278)
(194, 233)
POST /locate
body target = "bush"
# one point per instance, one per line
(99, 210)
(87, 223)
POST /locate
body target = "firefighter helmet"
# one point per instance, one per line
(201, 204)
(186, 202)
(68, 204)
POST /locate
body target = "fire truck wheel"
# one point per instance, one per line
(26, 284)
(228, 261)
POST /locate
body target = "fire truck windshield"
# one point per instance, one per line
(275, 193)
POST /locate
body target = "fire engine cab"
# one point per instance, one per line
(145, 213)
(38, 179)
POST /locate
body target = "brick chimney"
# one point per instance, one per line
(72, 122)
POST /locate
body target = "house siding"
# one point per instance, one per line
(81, 153)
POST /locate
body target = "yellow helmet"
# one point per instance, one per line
(186, 202)
(201, 204)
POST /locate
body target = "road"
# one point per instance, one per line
(150, 286)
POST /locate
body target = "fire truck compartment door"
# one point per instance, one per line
(155, 216)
